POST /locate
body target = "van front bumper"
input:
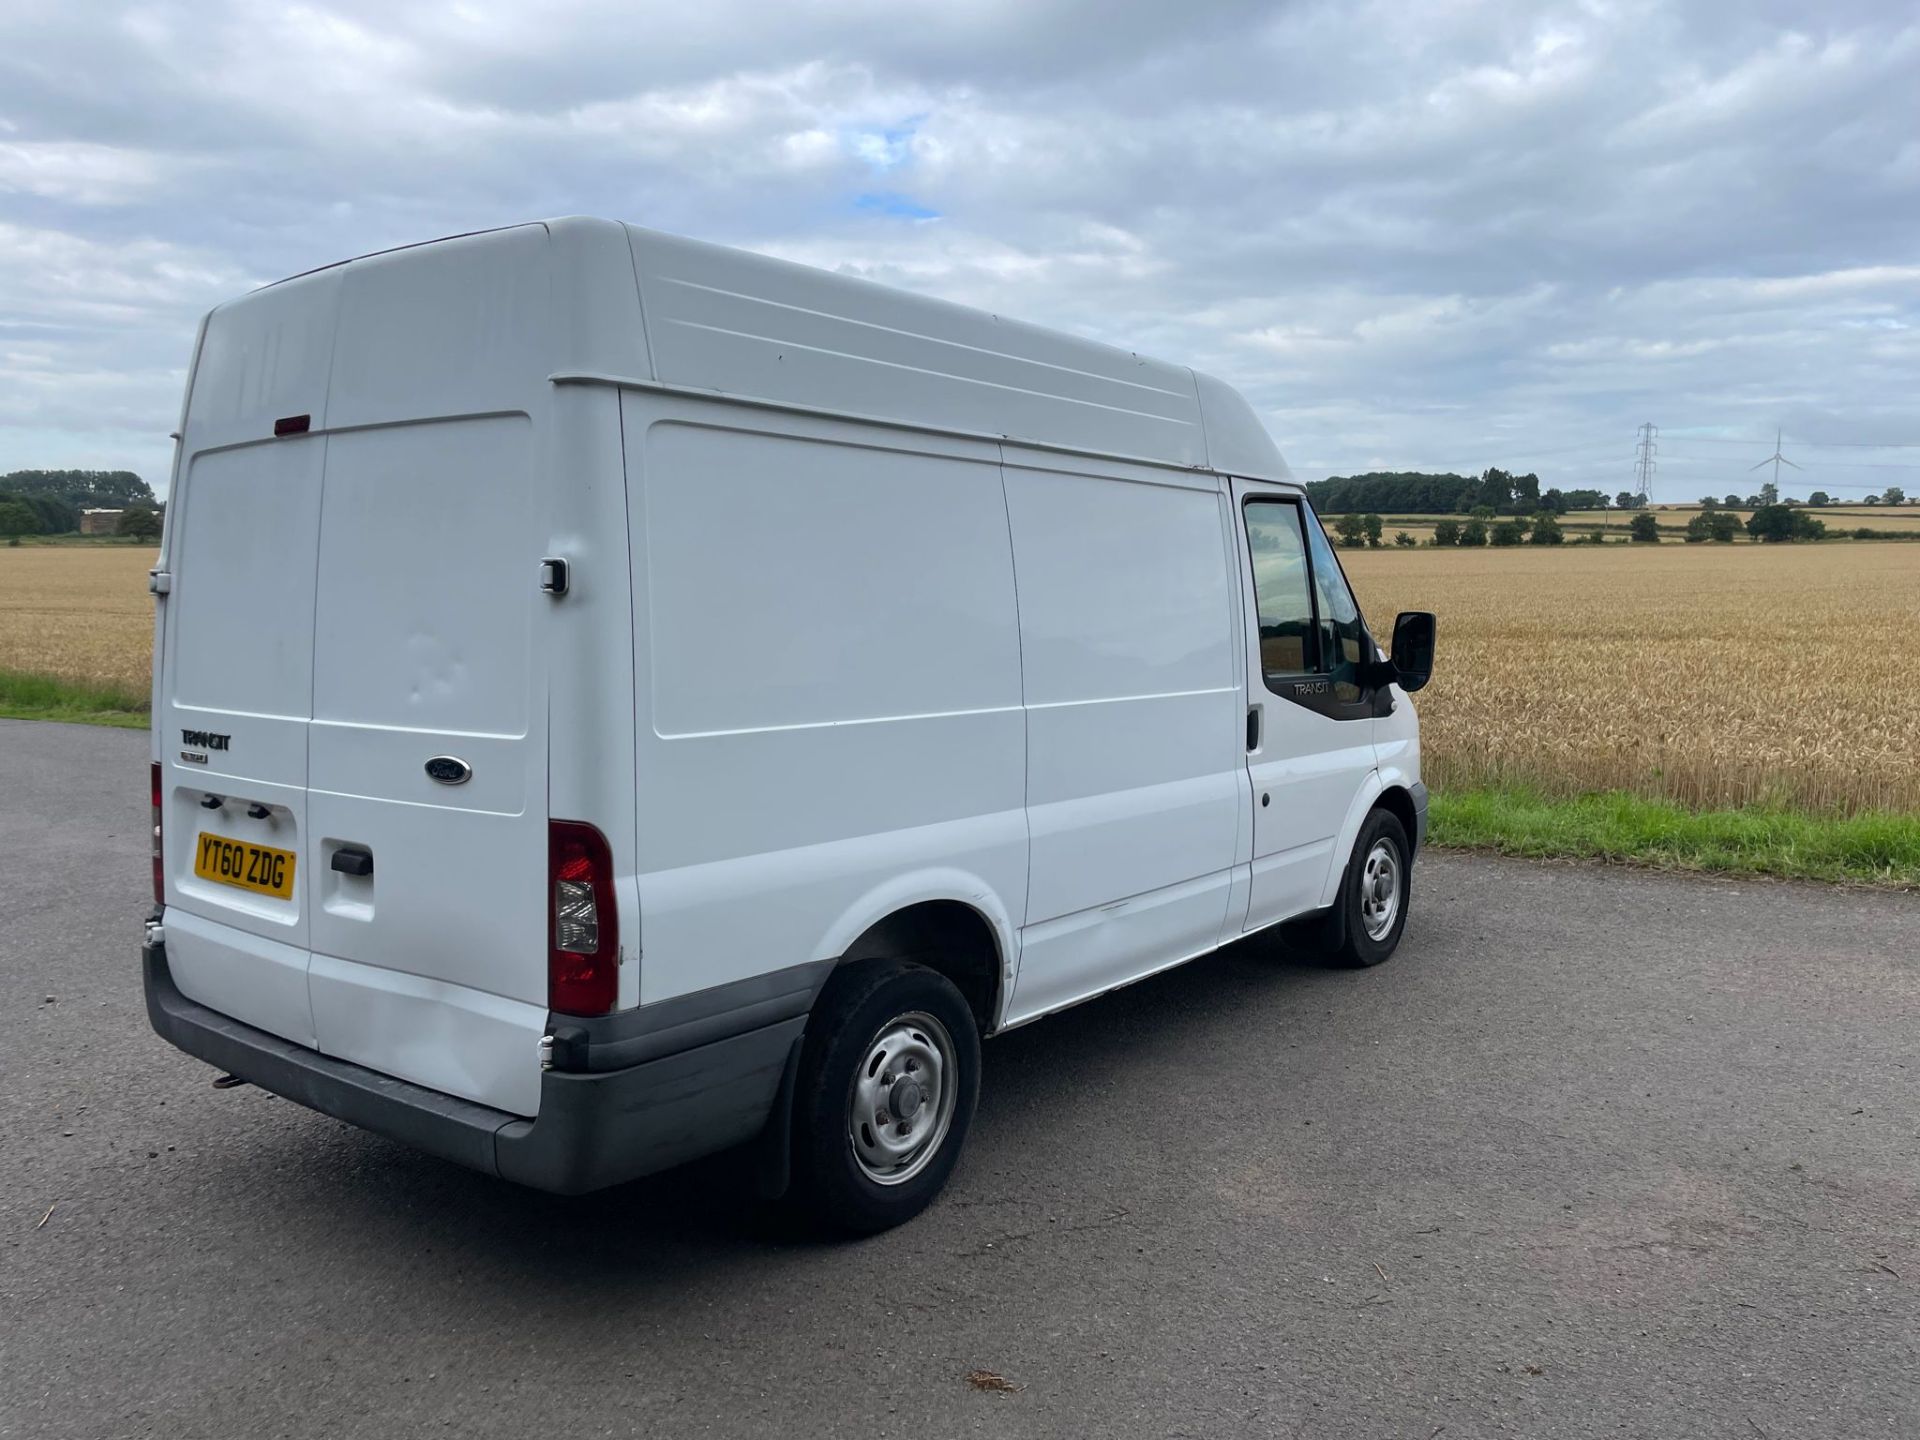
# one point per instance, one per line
(594, 1129)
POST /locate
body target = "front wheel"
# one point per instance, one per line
(1364, 926)
(889, 1076)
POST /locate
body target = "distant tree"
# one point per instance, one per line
(1625, 500)
(1870, 500)
(1446, 532)
(1819, 497)
(1352, 530)
(1554, 502)
(1371, 524)
(1546, 530)
(57, 517)
(1775, 524)
(1402, 538)
(1482, 512)
(1707, 502)
(1717, 525)
(1507, 532)
(1585, 500)
(1732, 502)
(142, 523)
(1474, 531)
(1769, 494)
(1895, 495)
(1496, 490)
(1645, 528)
(106, 489)
(17, 517)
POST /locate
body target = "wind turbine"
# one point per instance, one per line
(1776, 460)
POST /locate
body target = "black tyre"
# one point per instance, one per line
(889, 1076)
(1364, 926)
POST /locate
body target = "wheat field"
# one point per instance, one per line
(77, 612)
(1713, 675)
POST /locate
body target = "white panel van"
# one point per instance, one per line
(617, 698)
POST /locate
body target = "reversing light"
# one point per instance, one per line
(583, 929)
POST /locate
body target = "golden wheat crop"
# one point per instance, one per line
(1714, 675)
(79, 612)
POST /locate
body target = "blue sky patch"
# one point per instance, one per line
(886, 202)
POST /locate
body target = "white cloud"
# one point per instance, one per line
(1415, 234)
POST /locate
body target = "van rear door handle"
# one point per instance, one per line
(353, 861)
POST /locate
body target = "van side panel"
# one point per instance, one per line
(1134, 721)
(828, 658)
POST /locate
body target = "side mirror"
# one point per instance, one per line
(1413, 649)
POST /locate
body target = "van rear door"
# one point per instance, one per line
(358, 608)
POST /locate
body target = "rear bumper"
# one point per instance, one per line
(593, 1130)
(1419, 815)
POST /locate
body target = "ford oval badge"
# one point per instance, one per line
(449, 770)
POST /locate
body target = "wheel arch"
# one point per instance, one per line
(1399, 800)
(1379, 793)
(949, 921)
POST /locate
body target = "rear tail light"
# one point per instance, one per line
(583, 930)
(159, 874)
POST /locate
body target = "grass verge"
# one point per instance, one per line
(41, 697)
(1871, 849)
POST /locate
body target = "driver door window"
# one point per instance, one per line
(1313, 641)
(1282, 588)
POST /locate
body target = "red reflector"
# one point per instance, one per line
(292, 424)
(159, 874)
(583, 929)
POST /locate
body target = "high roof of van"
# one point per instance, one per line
(636, 306)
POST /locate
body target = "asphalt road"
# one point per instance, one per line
(1599, 1153)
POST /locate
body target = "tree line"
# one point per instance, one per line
(1417, 493)
(1768, 524)
(49, 502)
(1501, 492)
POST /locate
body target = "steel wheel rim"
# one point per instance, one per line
(1380, 890)
(910, 1064)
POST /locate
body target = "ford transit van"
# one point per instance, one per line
(618, 698)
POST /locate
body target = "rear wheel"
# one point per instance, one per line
(889, 1076)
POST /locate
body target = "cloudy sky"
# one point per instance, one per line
(1428, 235)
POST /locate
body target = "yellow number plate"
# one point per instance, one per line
(245, 866)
